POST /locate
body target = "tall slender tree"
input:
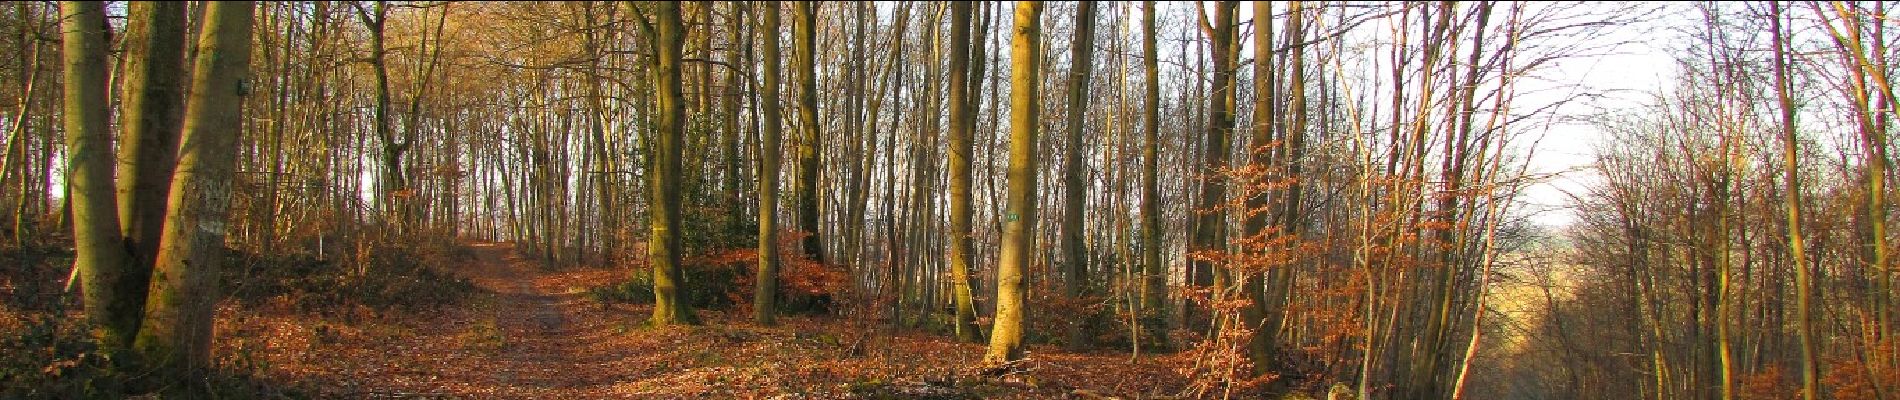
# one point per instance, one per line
(1267, 126)
(1210, 234)
(962, 125)
(1154, 274)
(1019, 215)
(1074, 185)
(1797, 247)
(666, 36)
(764, 297)
(804, 64)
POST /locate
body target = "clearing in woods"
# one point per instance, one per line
(531, 332)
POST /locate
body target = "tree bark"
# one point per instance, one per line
(764, 297)
(104, 268)
(177, 330)
(1019, 220)
(666, 35)
(1075, 253)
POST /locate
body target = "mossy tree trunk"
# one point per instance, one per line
(666, 35)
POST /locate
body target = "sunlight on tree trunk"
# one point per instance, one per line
(1019, 220)
(666, 36)
(176, 333)
(105, 270)
(765, 295)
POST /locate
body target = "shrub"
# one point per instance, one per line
(705, 287)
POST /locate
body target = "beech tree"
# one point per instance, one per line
(177, 329)
(101, 260)
(1019, 220)
(805, 186)
(1075, 254)
(152, 107)
(764, 303)
(962, 126)
(666, 37)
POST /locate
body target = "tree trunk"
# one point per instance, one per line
(729, 114)
(1019, 220)
(153, 106)
(764, 296)
(1210, 235)
(105, 270)
(805, 187)
(392, 183)
(176, 334)
(1075, 253)
(667, 37)
(962, 124)
(1261, 348)
(1804, 284)
(1154, 286)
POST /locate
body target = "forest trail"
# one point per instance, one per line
(532, 317)
(527, 332)
(530, 332)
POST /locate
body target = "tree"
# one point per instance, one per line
(1154, 275)
(666, 37)
(376, 18)
(805, 187)
(15, 153)
(1210, 235)
(176, 333)
(764, 297)
(104, 267)
(1019, 218)
(1266, 120)
(153, 106)
(1797, 249)
(962, 127)
(1074, 251)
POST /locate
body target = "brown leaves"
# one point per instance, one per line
(558, 345)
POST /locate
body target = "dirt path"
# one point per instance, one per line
(532, 320)
(528, 332)
(532, 333)
(532, 329)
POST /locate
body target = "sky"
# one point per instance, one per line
(1625, 76)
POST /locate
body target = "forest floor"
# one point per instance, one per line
(530, 332)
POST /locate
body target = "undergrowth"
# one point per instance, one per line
(46, 351)
(380, 277)
(49, 355)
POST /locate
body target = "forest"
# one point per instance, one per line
(1335, 200)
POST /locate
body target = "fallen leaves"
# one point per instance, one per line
(531, 336)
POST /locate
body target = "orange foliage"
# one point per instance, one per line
(1851, 379)
(1771, 383)
(798, 275)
